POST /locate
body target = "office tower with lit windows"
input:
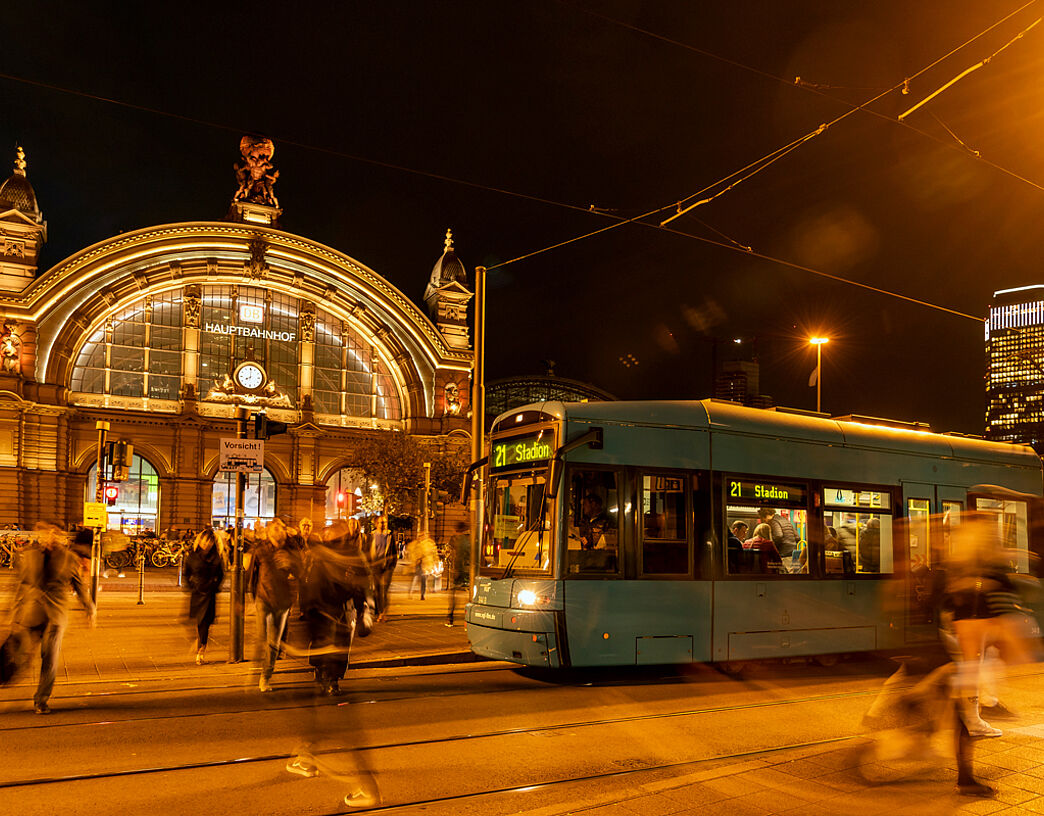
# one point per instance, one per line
(1015, 366)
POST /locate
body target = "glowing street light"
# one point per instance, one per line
(818, 343)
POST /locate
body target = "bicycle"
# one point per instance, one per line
(166, 553)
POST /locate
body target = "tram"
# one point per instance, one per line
(605, 540)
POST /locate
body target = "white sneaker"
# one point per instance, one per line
(298, 766)
(362, 798)
(264, 685)
(985, 730)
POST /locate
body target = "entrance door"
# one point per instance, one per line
(919, 503)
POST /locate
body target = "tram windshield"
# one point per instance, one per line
(518, 525)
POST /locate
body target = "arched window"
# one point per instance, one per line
(136, 508)
(259, 499)
(349, 376)
(137, 353)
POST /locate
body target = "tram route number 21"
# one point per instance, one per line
(765, 492)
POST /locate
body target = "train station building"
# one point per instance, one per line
(165, 331)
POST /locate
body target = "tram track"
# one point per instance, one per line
(442, 740)
(595, 777)
(308, 702)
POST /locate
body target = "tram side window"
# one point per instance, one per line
(1012, 529)
(594, 523)
(775, 519)
(858, 535)
(917, 517)
(665, 539)
(952, 512)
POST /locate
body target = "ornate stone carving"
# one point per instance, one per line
(452, 394)
(306, 324)
(11, 349)
(193, 307)
(256, 266)
(255, 176)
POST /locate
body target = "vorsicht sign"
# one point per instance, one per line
(241, 455)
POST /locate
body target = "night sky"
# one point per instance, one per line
(532, 112)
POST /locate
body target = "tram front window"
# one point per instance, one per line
(518, 526)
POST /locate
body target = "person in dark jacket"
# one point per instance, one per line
(333, 595)
(46, 572)
(384, 557)
(272, 565)
(784, 536)
(203, 572)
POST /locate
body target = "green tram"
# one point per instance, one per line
(605, 540)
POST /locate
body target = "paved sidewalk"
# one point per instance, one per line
(135, 642)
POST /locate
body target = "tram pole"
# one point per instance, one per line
(478, 417)
(102, 427)
(237, 601)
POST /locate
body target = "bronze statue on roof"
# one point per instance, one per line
(256, 175)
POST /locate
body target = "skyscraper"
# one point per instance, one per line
(1015, 366)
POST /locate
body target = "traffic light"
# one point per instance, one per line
(265, 428)
(122, 456)
(111, 494)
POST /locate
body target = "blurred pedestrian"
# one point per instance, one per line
(424, 555)
(47, 570)
(203, 573)
(333, 597)
(334, 586)
(982, 606)
(459, 555)
(384, 558)
(271, 567)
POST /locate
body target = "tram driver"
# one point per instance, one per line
(594, 523)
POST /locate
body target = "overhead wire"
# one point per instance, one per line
(754, 167)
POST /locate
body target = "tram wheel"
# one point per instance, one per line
(733, 667)
(827, 660)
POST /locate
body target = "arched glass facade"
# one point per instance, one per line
(150, 348)
(137, 505)
(259, 499)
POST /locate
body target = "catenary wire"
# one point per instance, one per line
(734, 245)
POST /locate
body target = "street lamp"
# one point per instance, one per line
(818, 343)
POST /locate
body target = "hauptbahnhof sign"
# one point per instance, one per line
(250, 331)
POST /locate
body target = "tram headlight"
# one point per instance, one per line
(527, 597)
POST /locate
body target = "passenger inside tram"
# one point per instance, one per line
(787, 532)
(593, 522)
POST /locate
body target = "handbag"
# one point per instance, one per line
(365, 623)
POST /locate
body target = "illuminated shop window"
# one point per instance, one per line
(137, 500)
(259, 499)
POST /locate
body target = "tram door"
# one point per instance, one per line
(919, 503)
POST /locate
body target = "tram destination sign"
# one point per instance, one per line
(522, 450)
(767, 492)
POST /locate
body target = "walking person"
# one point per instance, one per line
(203, 572)
(423, 553)
(333, 596)
(47, 570)
(459, 556)
(384, 557)
(272, 565)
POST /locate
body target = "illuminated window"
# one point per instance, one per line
(137, 504)
(259, 499)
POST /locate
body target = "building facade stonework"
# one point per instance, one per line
(164, 332)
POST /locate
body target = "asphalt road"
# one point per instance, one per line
(480, 738)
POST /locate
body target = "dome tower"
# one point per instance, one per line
(447, 297)
(22, 229)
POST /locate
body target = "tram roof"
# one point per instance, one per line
(716, 415)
